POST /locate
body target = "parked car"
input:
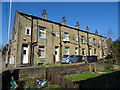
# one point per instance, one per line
(109, 56)
(71, 59)
(91, 59)
(79, 58)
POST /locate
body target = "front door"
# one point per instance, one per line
(56, 54)
(25, 55)
(90, 52)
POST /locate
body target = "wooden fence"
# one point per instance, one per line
(56, 78)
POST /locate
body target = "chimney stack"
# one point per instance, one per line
(44, 14)
(63, 21)
(87, 29)
(77, 25)
(96, 31)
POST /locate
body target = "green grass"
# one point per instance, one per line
(83, 76)
(109, 70)
(54, 86)
(88, 75)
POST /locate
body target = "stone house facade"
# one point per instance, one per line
(37, 40)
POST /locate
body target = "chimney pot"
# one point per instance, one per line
(96, 31)
(63, 18)
(77, 25)
(63, 21)
(44, 14)
(87, 29)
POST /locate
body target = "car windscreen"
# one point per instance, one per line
(78, 56)
(65, 56)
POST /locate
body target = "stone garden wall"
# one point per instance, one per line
(25, 76)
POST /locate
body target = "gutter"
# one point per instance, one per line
(57, 23)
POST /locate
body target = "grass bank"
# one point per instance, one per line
(88, 75)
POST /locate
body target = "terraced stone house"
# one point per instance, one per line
(38, 40)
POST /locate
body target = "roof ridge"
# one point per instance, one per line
(58, 23)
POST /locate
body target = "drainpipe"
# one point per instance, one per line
(53, 46)
(78, 43)
(31, 53)
(60, 42)
(88, 43)
(37, 39)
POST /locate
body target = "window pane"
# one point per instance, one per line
(66, 36)
(83, 51)
(89, 40)
(28, 31)
(39, 34)
(42, 32)
(76, 51)
(66, 50)
(76, 38)
(41, 51)
(82, 39)
(24, 51)
(95, 51)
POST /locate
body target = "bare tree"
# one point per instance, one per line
(109, 33)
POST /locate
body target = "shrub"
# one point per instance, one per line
(32, 84)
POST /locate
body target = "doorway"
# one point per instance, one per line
(56, 54)
(25, 54)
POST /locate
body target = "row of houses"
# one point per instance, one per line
(38, 40)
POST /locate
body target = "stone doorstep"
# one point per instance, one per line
(24, 65)
(102, 72)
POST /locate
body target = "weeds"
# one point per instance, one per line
(32, 84)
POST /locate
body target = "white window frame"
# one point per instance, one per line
(66, 36)
(67, 50)
(82, 39)
(102, 42)
(29, 31)
(90, 40)
(94, 41)
(76, 38)
(90, 50)
(43, 32)
(76, 50)
(57, 34)
(43, 49)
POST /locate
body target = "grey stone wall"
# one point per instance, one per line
(31, 74)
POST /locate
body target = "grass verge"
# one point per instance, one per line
(54, 86)
(88, 75)
(82, 76)
(109, 70)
